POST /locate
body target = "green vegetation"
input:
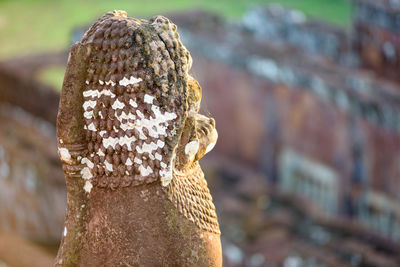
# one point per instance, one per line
(52, 76)
(35, 26)
(27, 26)
(31, 26)
(337, 12)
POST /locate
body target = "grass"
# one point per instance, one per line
(52, 76)
(32, 26)
(337, 12)
(27, 26)
(36, 26)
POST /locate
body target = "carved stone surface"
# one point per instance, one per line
(129, 136)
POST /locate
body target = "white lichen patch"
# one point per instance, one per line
(140, 114)
(87, 162)
(89, 103)
(128, 162)
(166, 173)
(118, 105)
(129, 117)
(98, 94)
(210, 147)
(145, 171)
(110, 82)
(91, 127)
(65, 231)
(86, 173)
(88, 114)
(156, 127)
(100, 153)
(88, 186)
(191, 148)
(166, 176)
(150, 129)
(131, 80)
(149, 148)
(65, 156)
(158, 156)
(108, 165)
(148, 99)
(160, 143)
(137, 160)
(133, 103)
(124, 140)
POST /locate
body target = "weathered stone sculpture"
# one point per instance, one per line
(130, 137)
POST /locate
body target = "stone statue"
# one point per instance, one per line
(130, 137)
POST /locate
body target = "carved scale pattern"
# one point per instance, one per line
(135, 100)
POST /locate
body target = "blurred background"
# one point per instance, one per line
(306, 98)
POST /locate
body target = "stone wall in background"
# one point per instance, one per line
(281, 26)
(32, 187)
(377, 35)
(32, 193)
(297, 109)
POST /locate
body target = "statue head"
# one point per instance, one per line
(139, 104)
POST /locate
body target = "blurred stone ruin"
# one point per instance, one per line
(307, 167)
(32, 194)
